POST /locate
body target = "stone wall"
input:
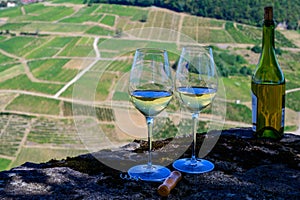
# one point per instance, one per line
(245, 168)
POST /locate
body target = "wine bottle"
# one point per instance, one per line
(268, 86)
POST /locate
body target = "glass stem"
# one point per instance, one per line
(149, 121)
(195, 123)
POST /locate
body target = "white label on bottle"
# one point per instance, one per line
(282, 117)
(254, 111)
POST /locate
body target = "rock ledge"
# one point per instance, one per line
(245, 168)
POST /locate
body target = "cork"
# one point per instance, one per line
(268, 13)
(170, 183)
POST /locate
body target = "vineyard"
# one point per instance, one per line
(12, 130)
(54, 132)
(102, 114)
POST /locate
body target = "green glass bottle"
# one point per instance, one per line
(268, 86)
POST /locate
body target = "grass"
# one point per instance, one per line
(216, 23)
(102, 114)
(6, 59)
(253, 33)
(10, 71)
(2, 38)
(84, 15)
(50, 48)
(237, 88)
(13, 45)
(120, 65)
(14, 127)
(238, 113)
(42, 52)
(82, 19)
(21, 82)
(4, 164)
(170, 47)
(237, 35)
(69, 1)
(9, 146)
(189, 21)
(282, 41)
(68, 92)
(105, 83)
(39, 12)
(56, 27)
(217, 36)
(85, 41)
(38, 155)
(52, 70)
(129, 11)
(108, 20)
(96, 30)
(121, 96)
(34, 104)
(13, 26)
(122, 45)
(60, 42)
(169, 20)
(21, 45)
(78, 48)
(290, 128)
(11, 12)
(92, 85)
(101, 65)
(55, 132)
(292, 101)
(5, 67)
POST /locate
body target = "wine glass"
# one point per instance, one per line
(196, 85)
(150, 90)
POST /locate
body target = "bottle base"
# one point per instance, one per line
(269, 133)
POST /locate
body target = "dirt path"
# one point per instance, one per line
(297, 132)
(22, 143)
(33, 78)
(5, 126)
(23, 10)
(179, 28)
(24, 62)
(79, 75)
(76, 7)
(292, 90)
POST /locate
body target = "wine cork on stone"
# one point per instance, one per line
(170, 183)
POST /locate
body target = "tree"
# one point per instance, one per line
(144, 18)
(240, 59)
(119, 32)
(256, 49)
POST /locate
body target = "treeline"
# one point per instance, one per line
(249, 12)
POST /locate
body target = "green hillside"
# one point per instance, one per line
(58, 52)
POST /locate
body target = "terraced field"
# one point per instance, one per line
(58, 52)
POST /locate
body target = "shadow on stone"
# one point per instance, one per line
(245, 168)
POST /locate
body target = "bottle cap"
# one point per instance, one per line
(268, 13)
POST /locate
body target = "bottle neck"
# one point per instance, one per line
(268, 41)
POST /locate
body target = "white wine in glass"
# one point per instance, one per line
(196, 85)
(150, 91)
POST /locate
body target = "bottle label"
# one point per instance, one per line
(254, 111)
(282, 117)
(283, 111)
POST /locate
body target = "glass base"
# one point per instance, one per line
(197, 166)
(155, 173)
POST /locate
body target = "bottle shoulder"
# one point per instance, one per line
(268, 70)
